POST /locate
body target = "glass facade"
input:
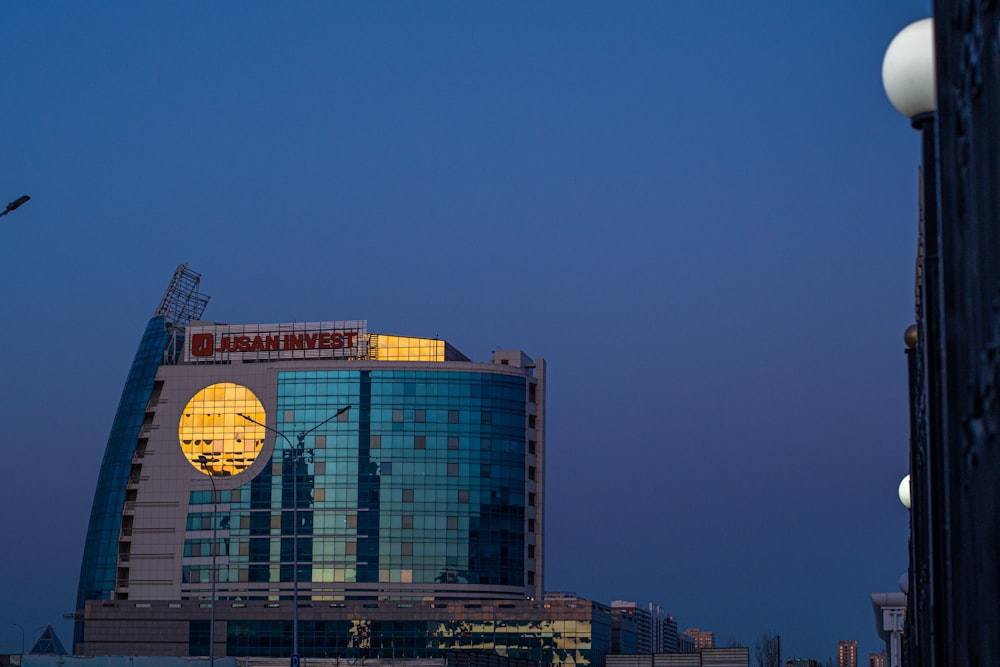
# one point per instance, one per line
(100, 555)
(542, 641)
(562, 631)
(421, 485)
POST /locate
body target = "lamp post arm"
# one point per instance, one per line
(14, 204)
(267, 428)
(22, 636)
(325, 421)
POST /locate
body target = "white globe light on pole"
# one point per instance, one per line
(909, 78)
(908, 70)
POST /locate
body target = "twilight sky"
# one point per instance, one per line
(702, 214)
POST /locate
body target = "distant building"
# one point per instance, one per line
(685, 643)
(877, 660)
(737, 656)
(702, 638)
(651, 627)
(890, 619)
(707, 657)
(671, 643)
(656, 615)
(626, 632)
(802, 662)
(463, 658)
(847, 653)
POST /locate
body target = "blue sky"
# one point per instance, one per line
(703, 215)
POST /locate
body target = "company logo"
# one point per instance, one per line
(207, 345)
(202, 344)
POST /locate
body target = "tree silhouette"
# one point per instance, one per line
(767, 652)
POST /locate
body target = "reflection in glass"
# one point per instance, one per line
(210, 426)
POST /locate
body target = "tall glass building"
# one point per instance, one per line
(270, 489)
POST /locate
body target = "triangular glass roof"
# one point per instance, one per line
(48, 644)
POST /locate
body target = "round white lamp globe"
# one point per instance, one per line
(904, 492)
(908, 69)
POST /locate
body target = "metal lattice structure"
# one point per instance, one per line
(182, 302)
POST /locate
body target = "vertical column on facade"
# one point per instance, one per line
(536, 434)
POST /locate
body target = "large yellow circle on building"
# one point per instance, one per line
(214, 437)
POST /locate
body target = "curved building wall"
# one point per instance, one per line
(100, 556)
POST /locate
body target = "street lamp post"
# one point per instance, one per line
(34, 637)
(908, 74)
(212, 575)
(22, 640)
(296, 452)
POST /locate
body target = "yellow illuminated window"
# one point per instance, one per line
(405, 348)
(213, 436)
